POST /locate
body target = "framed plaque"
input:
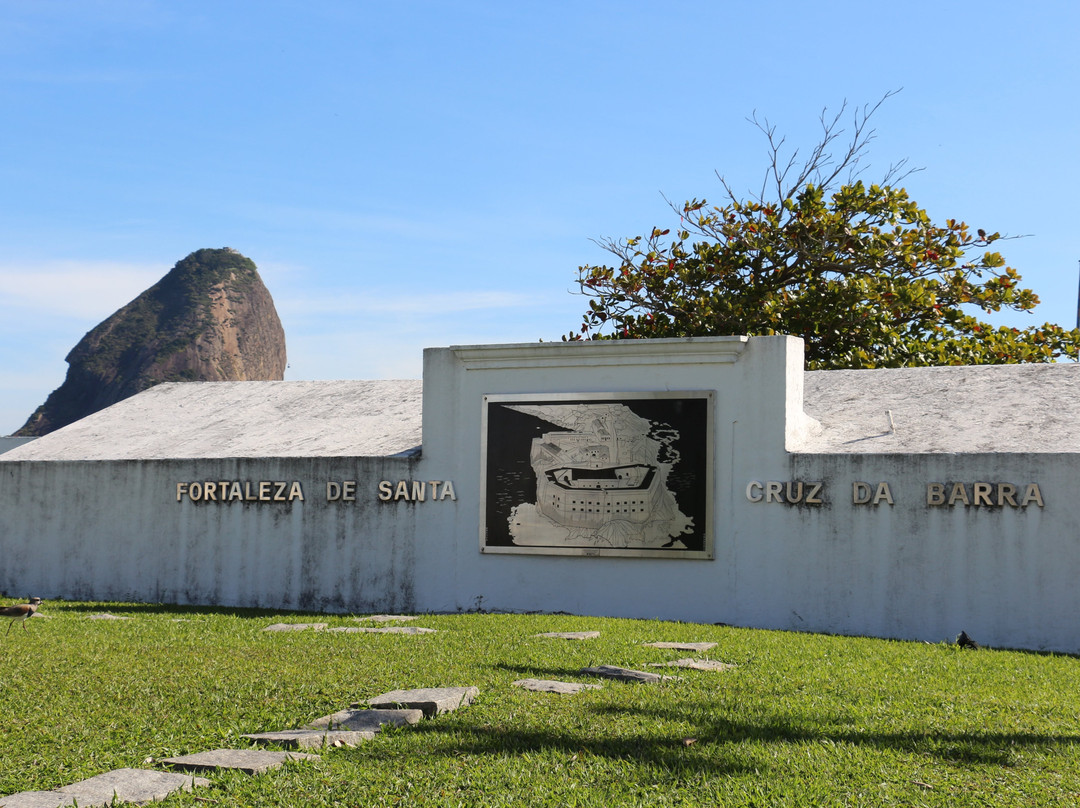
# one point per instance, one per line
(598, 474)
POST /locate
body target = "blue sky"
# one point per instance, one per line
(425, 173)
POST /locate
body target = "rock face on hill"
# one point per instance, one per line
(209, 319)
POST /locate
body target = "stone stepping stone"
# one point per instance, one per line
(384, 630)
(252, 761)
(571, 635)
(387, 618)
(35, 799)
(623, 674)
(366, 720)
(106, 616)
(431, 700)
(683, 646)
(139, 786)
(553, 686)
(696, 664)
(295, 626)
(310, 738)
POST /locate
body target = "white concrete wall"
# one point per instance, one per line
(113, 530)
(904, 570)
(1006, 575)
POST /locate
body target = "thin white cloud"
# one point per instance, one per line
(81, 289)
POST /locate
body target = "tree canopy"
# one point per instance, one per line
(859, 271)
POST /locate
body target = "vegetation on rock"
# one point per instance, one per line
(210, 318)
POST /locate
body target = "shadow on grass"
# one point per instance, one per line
(716, 741)
(532, 671)
(965, 747)
(649, 748)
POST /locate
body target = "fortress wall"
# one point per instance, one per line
(115, 530)
(911, 545)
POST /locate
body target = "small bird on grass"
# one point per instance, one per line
(964, 641)
(20, 612)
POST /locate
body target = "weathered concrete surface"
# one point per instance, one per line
(244, 419)
(310, 738)
(382, 630)
(35, 799)
(296, 626)
(984, 408)
(388, 618)
(571, 635)
(902, 568)
(682, 646)
(130, 785)
(622, 674)
(138, 786)
(431, 700)
(252, 761)
(696, 664)
(366, 720)
(106, 616)
(553, 686)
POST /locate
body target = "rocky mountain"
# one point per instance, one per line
(210, 318)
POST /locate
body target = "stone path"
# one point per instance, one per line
(388, 618)
(384, 630)
(683, 646)
(571, 635)
(139, 786)
(366, 720)
(344, 728)
(432, 700)
(552, 686)
(696, 664)
(310, 738)
(252, 761)
(623, 674)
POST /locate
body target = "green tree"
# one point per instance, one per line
(858, 271)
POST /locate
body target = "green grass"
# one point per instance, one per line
(803, 720)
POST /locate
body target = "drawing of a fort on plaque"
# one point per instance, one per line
(598, 474)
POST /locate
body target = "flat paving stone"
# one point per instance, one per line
(696, 664)
(432, 700)
(138, 786)
(35, 799)
(553, 686)
(382, 630)
(388, 618)
(295, 626)
(106, 616)
(310, 738)
(683, 646)
(252, 761)
(623, 674)
(366, 720)
(571, 635)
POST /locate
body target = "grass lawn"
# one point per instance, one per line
(803, 719)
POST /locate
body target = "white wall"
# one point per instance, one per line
(905, 570)
(113, 530)
(1006, 575)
